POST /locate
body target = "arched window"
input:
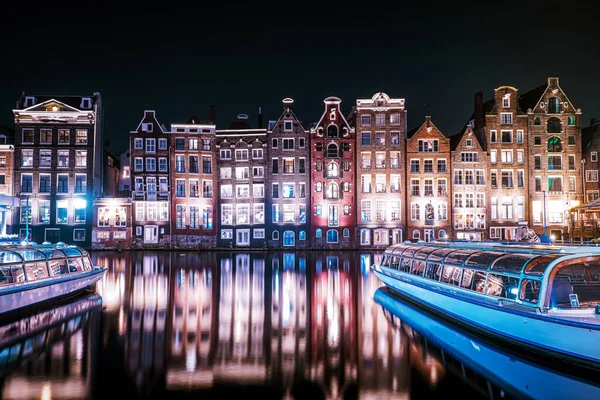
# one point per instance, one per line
(319, 187)
(442, 212)
(553, 105)
(416, 234)
(346, 232)
(442, 234)
(318, 210)
(332, 132)
(289, 238)
(333, 170)
(554, 144)
(275, 235)
(554, 125)
(415, 212)
(332, 150)
(332, 236)
(319, 232)
(302, 235)
(332, 191)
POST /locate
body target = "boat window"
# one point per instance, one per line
(72, 251)
(451, 275)
(479, 281)
(31, 255)
(75, 265)
(439, 254)
(467, 278)
(8, 257)
(423, 252)
(409, 251)
(418, 267)
(579, 279)
(405, 264)
(430, 270)
(87, 264)
(58, 267)
(538, 265)
(53, 253)
(18, 273)
(482, 259)
(5, 277)
(36, 270)
(503, 286)
(394, 262)
(457, 257)
(530, 290)
(511, 263)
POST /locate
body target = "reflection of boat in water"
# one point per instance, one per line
(25, 339)
(545, 299)
(34, 274)
(487, 368)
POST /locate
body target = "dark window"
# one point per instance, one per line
(332, 150)
(193, 163)
(538, 184)
(366, 139)
(301, 166)
(179, 144)
(332, 132)
(537, 121)
(274, 143)
(571, 140)
(553, 105)
(554, 125)
(346, 146)
(537, 140)
(319, 146)
(554, 144)
(275, 166)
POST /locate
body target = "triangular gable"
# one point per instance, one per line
(423, 128)
(331, 99)
(288, 110)
(549, 92)
(149, 117)
(47, 105)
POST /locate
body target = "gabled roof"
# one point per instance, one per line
(530, 99)
(42, 106)
(286, 110)
(71, 100)
(334, 100)
(587, 134)
(412, 132)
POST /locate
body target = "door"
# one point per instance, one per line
(52, 235)
(242, 237)
(428, 235)
(151, 234)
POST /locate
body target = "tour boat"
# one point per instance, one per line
(543, 298)
(32, 274)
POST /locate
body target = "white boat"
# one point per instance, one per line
(33, 274)
(545, 299)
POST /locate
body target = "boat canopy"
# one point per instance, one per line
(530, 260)
(12, 254)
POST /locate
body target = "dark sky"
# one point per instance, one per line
(179, 61)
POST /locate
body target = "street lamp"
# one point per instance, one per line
(583, 180)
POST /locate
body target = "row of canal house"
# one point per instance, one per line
(352, 179)
(367, 181)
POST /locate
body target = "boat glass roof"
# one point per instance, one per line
(496, 258)
(11, 254)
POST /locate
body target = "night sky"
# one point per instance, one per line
(179, 61)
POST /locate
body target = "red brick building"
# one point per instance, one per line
(193, 179)
(333, 221)
(429, 188)
(111, 223)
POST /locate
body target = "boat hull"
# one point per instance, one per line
(30, 294)
(569, 342)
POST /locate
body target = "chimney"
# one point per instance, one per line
(478, 120)
(260, 118)
(212, 114)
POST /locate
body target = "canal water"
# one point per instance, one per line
(276, 325)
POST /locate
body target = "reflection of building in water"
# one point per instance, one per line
(51, 354)
(289, 318)
(383, 364)
(147, 319)
(241, 349)
(112, 289)
(191, 339)
(333, 349)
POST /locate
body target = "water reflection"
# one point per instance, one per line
(51, 353)
(275, 325)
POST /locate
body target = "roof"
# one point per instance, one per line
(529, 100)
(591, 206)
(587, 134)
(71, 100)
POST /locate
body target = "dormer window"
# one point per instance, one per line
(29, 101)
(86, 103)
(506, 101)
